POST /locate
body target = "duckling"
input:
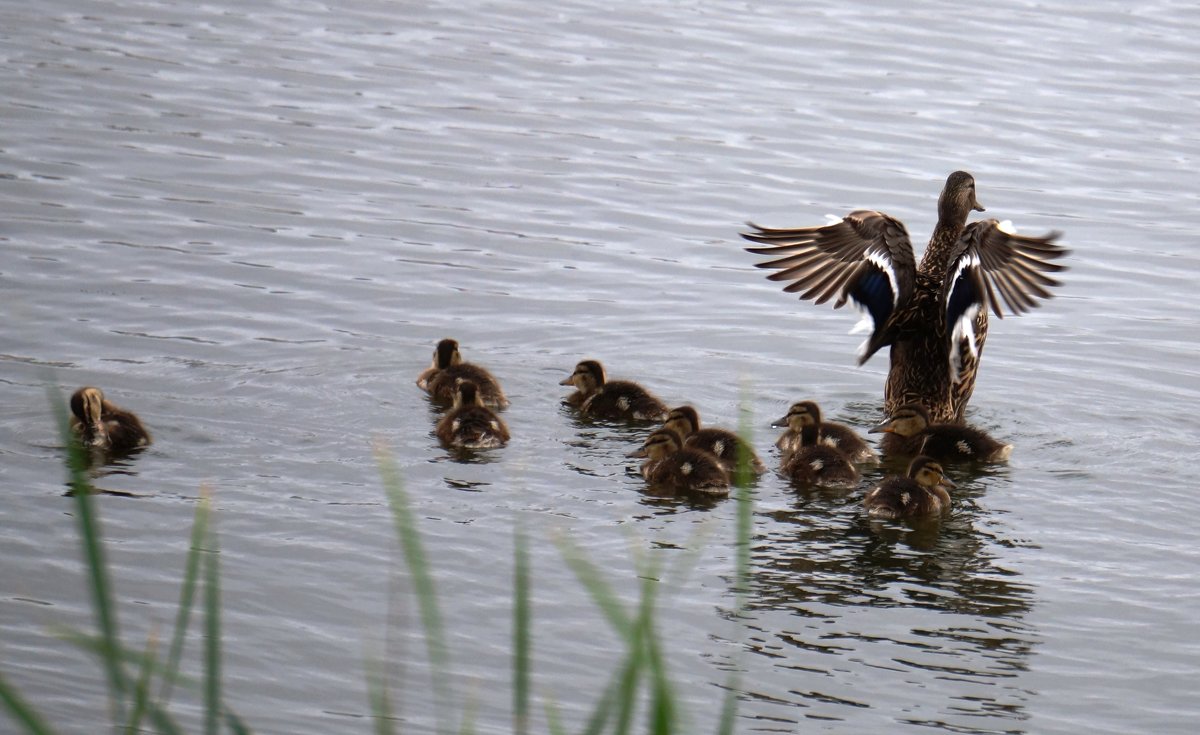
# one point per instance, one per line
(921, 493)
(819, 464)
(909, 431)
(671, 465)
(601, 398)
(726, 445)
(440, 379)
(470, 424)
(808, 458)
(839, 436)
(102, 425)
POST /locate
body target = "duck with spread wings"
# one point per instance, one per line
(934, 316)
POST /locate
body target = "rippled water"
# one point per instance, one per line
(252, 226)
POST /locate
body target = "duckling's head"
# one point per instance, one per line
(587, 378)
(929, 473)
(685, 420)
(800, 415)
(87, 404)
(446, 354)
(659, 444)
(958, 199)
(908, 420)
(466, 393)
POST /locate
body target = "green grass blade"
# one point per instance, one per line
(141, 688)
(212, 636)
(378, 697)
(422, 580)
(186, 594)
(93, 556)
(745, 510)
(163, 724)
(21, 711)
(598, 720)
(470, 711)
(625, 700)
(589, 576)
(554, 720)
(522, 633)
(745, 531)
(662, 699)
(662, 695)
(94, 644)
(235, 724)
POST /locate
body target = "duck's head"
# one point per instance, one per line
(87, 404)
(685, 420)
(958, 199)
(908, 420)
(929, 473)
(587, 378)
(800, 415)
(446, 354)
(659, 444)
(466, 393)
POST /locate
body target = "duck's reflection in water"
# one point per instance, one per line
(922, 622)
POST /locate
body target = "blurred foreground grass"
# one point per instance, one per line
(141, 681)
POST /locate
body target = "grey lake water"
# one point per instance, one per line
(251, 223)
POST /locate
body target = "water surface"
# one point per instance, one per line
(253, 225)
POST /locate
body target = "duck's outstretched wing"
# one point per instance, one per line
(991, 264)
(865, 257)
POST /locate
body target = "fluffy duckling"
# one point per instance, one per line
(440, 379)
(921, 493)
(470, 424)
(725, 444)
(819, 464)
(806, 416)
(601, 398)
(808, 459)
(669, 464)
(102, 425)
(909, 431)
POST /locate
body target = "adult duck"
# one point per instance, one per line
(726, 445)
(934, 317)
(920, 493)
(103, 426)
(909, 431)
(671, 466)
(440, 379)
(597, 396)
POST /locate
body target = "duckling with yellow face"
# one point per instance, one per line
(102, 425)
(470, 424)
(921, 493)
(806, 415)
(671, 466)
(726, 445)
(909, 431)
(440, 379)
(598, 397)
